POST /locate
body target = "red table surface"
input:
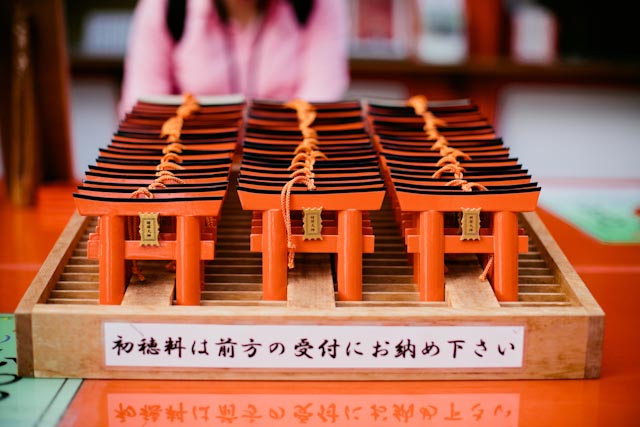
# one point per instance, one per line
(611, 272)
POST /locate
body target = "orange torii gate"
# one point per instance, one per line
(417, 148)
(165, 161)
(430, 241)
(192, 243)
(351, 237)
(336, 162)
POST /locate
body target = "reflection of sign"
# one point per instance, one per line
(312, 223)
(168, 409)
(470, 224)
(312, 346)
(149, 229)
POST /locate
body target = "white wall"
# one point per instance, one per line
(572, 132)
(94, 120)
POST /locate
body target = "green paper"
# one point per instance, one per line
(28, 401)
(607, 214)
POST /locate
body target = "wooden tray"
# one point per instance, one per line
(61, 328)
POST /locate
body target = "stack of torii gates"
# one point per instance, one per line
(158, 189)
(442, 161)
(310, 173)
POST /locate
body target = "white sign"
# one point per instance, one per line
(312, 346)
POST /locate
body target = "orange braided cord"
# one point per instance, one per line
(168, 178)
(431, 121)
(303, 171)
(142, 191)
(164, 172)
(171, 157)
(431, 124)
(306, 114)
(299, 166)
(487, 268)
(309, 133)
(308, 158)
(168, 166)
(307, 144)
(454, 169)
(174, 147)
(285, 207)
(189, 106)
(172, 128)
(419, 104)
(454, 152)
(155, 185)
(446, 151)
(300, 105)
(448, 160)
(306, 118)
(466, 186)
(469, 186)
(440, 143)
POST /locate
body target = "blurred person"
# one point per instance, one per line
(265, 49)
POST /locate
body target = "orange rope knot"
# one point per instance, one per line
(309, 133)
(305, 157)
(309, 158)
(419, 104)
(440, 143)
(172, 127)
(174, 147)
(444, 151)
(189, 106)
(164, 172)
(299, 166)
(155, 185)
(447, 160)
(300, 105)
(306, 114)
(285, 207)
(454, 169)
(454, 152)
(169, 178)
(306, 118)
(142, 191)
(307, 144)
(431, 125)
(431, 121)
(171, 157)
(168, 166)
(466, 186)
(303, 171)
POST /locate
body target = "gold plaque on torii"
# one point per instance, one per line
(149, 229)
(312, 223)
(470, 224)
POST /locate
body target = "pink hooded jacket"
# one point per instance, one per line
(271, 58)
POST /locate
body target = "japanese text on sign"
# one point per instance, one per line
(312, 346)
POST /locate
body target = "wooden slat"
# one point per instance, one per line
(158, 288)
(310, 285)
(463, 287)
(40, 288)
